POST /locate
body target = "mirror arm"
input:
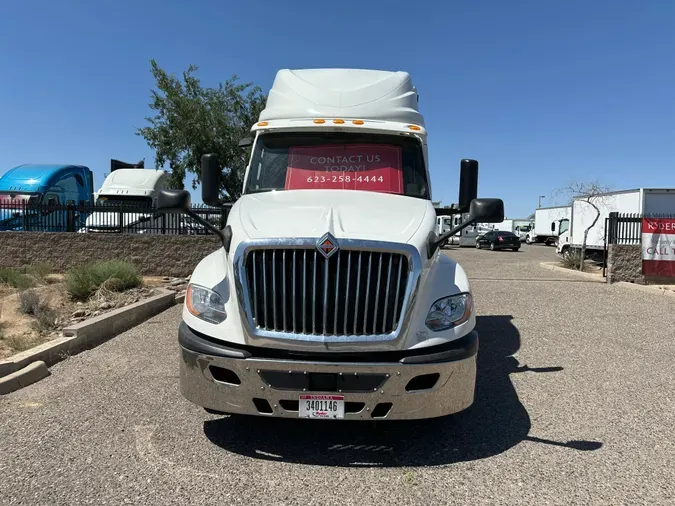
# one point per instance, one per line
(206, 224)
(435, 241)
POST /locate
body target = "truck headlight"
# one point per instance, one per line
(449, 312)
(205, 304)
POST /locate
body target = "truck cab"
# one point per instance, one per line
(330, 297)
(48, 198)
(135, 190)
(447, 223)
(562, 242)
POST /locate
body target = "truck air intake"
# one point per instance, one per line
(352, 293)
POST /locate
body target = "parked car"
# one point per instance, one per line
(498, 239)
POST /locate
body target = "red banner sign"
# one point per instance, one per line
(658, 247)
(371, 167)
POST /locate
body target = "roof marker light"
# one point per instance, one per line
(358, 122)
(414, 127)
(338, 121)
(319, 121)
(263, 123)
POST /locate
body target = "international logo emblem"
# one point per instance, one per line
(327, 245)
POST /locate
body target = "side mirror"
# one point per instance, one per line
(211, 174)
(246, 142)
(468, 183)
(553, 226)
(179, 201)
(173, 201)
(480, 210)
(486, 211)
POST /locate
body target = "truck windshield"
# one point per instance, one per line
(564, 226)
(125, 200)
(338, 161)
(16, 200)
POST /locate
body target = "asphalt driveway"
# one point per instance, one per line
(575, 404)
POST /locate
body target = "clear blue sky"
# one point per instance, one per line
(540, 92)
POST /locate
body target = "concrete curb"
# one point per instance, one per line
(90, 333)
(553, 267)
(654, 290)
(30, 374)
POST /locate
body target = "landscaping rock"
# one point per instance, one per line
(79, 313)
(166, 279)
(106, 305)
(176, 282)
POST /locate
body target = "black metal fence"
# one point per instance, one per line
(120, 218)
(626, 229)
(623, 229)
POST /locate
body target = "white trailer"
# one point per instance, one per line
(639, 201)
(546, 224)
(505, 226)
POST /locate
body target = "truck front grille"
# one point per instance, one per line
(353, 293)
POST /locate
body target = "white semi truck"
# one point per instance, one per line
(330, 297)
(445, 224)
(135, 188)
(546, 224)
(639, 202)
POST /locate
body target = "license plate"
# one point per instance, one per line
(322, 406)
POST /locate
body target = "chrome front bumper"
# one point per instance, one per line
(415, 387)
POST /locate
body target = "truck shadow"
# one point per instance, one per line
(496, 422)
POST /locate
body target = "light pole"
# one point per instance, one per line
(541, 197)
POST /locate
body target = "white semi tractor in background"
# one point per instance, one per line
(445, 224)
(330, 297)
(547, 224)
(135, 188)
(640, 201)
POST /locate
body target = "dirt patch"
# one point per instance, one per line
(47, 309)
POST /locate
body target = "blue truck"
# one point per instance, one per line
(48, 198)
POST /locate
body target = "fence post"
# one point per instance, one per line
(24, 208)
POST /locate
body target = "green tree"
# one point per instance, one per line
(192, 120)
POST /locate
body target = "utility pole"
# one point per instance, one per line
(541, 197)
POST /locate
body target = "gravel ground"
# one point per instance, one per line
(575, 405)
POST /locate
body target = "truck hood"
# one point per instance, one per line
(347, 214)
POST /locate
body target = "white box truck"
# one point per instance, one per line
(520, 227)
(329, 297)
(639, 201)
(546, 224)
(505, 226)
